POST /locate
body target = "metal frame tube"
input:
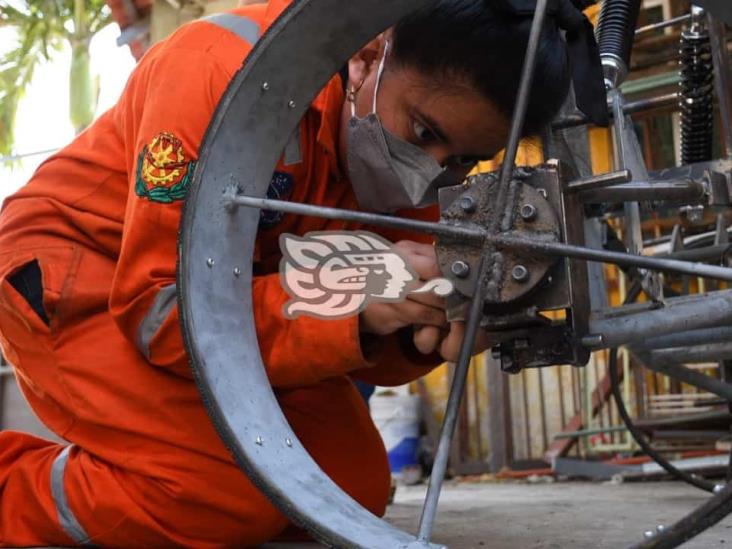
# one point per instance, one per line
(679, 315)
(659, 361)
(692, 337)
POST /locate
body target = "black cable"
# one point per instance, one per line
(639, 437)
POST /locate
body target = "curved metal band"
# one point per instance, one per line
(252, 124)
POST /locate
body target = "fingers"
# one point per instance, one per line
(385, 318)
(428, 298)
(450, 346)
(421, 257)
(427, 338)
(411, 312)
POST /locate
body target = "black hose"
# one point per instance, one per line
(640, 437)
(636, 433)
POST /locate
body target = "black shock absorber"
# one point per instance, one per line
(697, 87)
(615, 33)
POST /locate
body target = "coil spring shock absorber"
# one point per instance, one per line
(696, 97)
(615, 33)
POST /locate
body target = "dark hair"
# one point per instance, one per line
(469, 39)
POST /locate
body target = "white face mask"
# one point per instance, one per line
(388, 173)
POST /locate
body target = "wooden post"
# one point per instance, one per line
(499, 416)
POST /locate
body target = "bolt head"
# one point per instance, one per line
(718, 488)
(528, 212)
(520, 273)
(542, 192)
(292, 104)
(237, 272)
(467, 204)
(648, 534)
(460, 269)
(265, 86)
(259, 441)
(288, 442)
(210, 262)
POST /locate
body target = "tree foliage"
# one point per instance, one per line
(41, 28)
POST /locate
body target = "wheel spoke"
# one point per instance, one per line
(503, 241)
(457, 390)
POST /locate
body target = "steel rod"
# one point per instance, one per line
(429, 511)
(632, 107)
(617, 258)
(519, 113)
(663, 24)
(599, 181)
(645, 191)
(480, 235)
(716, 252)
(474, 233)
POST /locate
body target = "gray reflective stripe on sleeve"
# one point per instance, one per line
(248, 30)
(65, 516)
(293, 154)
(243, 27)
(159, 311)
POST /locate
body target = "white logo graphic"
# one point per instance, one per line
(334, 274)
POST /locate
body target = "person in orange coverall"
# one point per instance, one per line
(88, 315)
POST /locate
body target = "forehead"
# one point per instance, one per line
(471, 122)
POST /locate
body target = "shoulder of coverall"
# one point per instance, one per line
(229, 51)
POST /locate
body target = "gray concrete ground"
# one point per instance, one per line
(563, 515)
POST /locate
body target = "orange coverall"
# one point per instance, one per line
(103, 364)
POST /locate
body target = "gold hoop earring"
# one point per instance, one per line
(351, 94)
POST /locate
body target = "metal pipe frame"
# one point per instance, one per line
(664, 362)
(687, 338)
(633, 324)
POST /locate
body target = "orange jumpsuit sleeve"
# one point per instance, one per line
(398, 361)
(163, 114)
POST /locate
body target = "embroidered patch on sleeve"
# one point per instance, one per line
(163, 170)
(279, 189)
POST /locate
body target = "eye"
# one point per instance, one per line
(423, 133)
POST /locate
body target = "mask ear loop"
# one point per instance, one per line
(379, 73)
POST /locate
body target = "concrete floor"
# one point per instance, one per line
(563, 515)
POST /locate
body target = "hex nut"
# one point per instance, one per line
(528, 212)
(460, 269)
(467, 204)
(520, 273)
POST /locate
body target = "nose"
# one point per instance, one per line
(441, 153)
